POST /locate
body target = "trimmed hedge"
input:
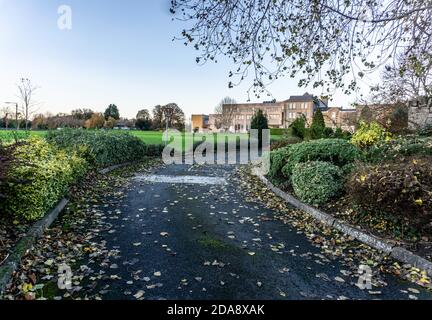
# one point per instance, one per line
(316, 182)
(338, 152)
(102, 148)
(402, 188)
(42, 175)
(278, 160)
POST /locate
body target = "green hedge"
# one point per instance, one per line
(317, 182)
(102, 148)
(39, 179)
(278, 160)
(279, 131)
(338, 152)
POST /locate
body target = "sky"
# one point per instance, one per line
(119, 52)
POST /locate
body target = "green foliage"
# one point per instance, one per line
(316, 182)
(41, 176)
(143, 124)
(98, 147)
(298, 127)
(369, 134)
(338, 152)
(403, 146)
(259, 120)
(112, 112)
(318, 125)
(401, 188)
(278, 160)
(277, 144)
(279, 131)
(425, 131)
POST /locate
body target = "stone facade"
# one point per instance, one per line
(420, 114)
(279, 114)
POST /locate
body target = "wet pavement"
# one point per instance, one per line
(187, 232)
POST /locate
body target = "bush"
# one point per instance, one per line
(401, 188)
(277, 144)
(298, 127)
(369, 134)
(101, 148)
(42, 175)
(278, 160)
(336, 151)
(404, 146)
(316, 182)
(425, 131)
(279, 132)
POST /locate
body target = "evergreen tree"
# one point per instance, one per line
(260, 123)
(318, 125)
(112, 112)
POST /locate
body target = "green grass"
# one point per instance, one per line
(149, 137)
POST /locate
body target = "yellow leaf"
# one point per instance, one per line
(419, 202)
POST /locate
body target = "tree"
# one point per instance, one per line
(112, 111)
(5, 116)
(110, 123)
(143, 120)
(318, 125)
(322, 41)
(26, 93)
(259, 122)
(224, 116)
(410, 78)
(82, 114)
(96, 121)
(298, 127)
(176, 121)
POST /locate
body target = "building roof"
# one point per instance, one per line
(304, 98)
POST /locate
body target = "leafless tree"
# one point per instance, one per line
(409, 79)
(224, 116)
(26, 92)
(327, 43)
(5, 112)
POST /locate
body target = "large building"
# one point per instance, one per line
(238, 117)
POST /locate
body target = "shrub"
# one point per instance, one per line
(278, 160)
(279, 131)
(318, 125)
(101, 148)
(425, 131)
(402, 188)
(42, 175)
(277, 144)
(298, 127)
(336, 151)
(316, 182)
(404, 146)
(369, 134)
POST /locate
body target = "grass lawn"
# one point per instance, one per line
(149, 137)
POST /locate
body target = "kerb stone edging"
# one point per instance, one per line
(12, 262)
(395, 252)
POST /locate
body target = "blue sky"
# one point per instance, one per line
(117, 52)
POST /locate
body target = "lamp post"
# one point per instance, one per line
(16, 113)
(168, 111)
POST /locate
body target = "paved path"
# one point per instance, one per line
(182, 238)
